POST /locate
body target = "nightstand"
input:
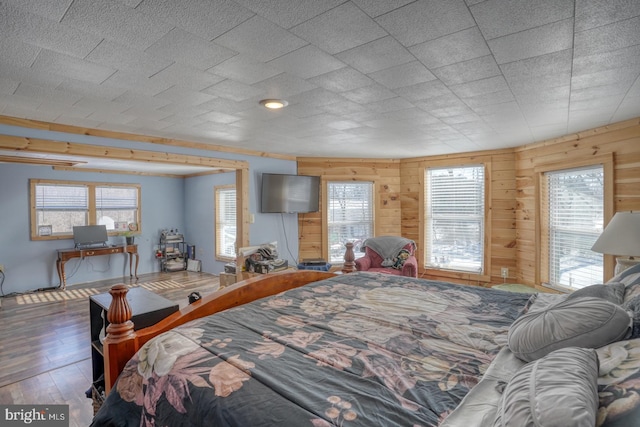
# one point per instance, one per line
(147, 309)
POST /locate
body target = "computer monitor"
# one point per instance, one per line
(90, 235)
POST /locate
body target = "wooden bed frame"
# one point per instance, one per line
(122, 342)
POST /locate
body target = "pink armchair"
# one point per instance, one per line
(389, 254)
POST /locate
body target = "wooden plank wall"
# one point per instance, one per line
(500, 238)
(622, 139)
(512, 235)
(386, 176)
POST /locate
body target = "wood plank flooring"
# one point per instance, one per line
(44, 340)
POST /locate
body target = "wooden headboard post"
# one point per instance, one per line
(120, 342)
(349, 265)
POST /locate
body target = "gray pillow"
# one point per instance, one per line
(580, 322)
(633, 308)
(613, 292)
(561, 389)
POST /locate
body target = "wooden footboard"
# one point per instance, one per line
(122, 342)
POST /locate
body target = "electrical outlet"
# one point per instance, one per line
(504, 272)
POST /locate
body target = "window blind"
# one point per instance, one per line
(575, 209)
(226, 222)
(350, 216)
(455, 218)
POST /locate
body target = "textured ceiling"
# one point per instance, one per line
(363, 78)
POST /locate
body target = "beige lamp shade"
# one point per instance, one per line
(621, 237)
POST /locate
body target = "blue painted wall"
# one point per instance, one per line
(186, 204)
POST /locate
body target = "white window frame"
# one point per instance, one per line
(544, 261)
(225, 220)
(448, 267)
(336, 248)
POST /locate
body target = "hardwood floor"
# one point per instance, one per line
(45, 346)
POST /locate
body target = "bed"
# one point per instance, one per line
(366, 349)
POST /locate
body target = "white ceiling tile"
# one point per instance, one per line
(426, 20)
(185, 97)
(29, 75)
(368, 94)
(78, 69)
(376, 55)
(479, 101)
(403, 75)
(607, 38)
(91, 89)
(188, 49)
(375, 8)
(42, 93)
(497, 18)
(286, 13)
(624, 77)
(8, 86)
(593, 13)
(480, 87)
(620, 58)
(245, 69)
(137, 83)
(466, 71)
(426, 90)
(17, 53)
(306, 62)
(339, 29)
(316, 97)
(450, 49)
(233, 90)
(538, 41)
(261, 39)
(185, 77)
(205, 18)
(283, 86)
(127, 59)
(116, 21)
(342, 80)
(141, 102)
(50, 9)
(552, 64)
(38, 31)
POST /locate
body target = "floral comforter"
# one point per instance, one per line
(359, 349)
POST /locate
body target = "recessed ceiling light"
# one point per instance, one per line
(274, 104)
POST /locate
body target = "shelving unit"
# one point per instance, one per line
(172, 252)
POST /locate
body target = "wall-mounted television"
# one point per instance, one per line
(282, 193)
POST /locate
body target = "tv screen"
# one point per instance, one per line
(283, 193)
(90, 235)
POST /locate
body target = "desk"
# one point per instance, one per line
(65, 255)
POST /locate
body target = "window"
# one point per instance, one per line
(572, 204)
(58, 206)
(454, 228)
(349, 217)
(225, 196)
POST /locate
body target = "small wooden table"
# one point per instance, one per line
(65, 255)
(147, 308)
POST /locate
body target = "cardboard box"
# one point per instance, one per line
(227, 279)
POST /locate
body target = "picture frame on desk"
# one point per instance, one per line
(45, 230)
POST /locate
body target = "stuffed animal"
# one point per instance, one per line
(399, 260)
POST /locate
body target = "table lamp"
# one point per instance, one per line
(621, 237)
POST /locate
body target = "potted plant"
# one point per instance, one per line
(129, 234)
